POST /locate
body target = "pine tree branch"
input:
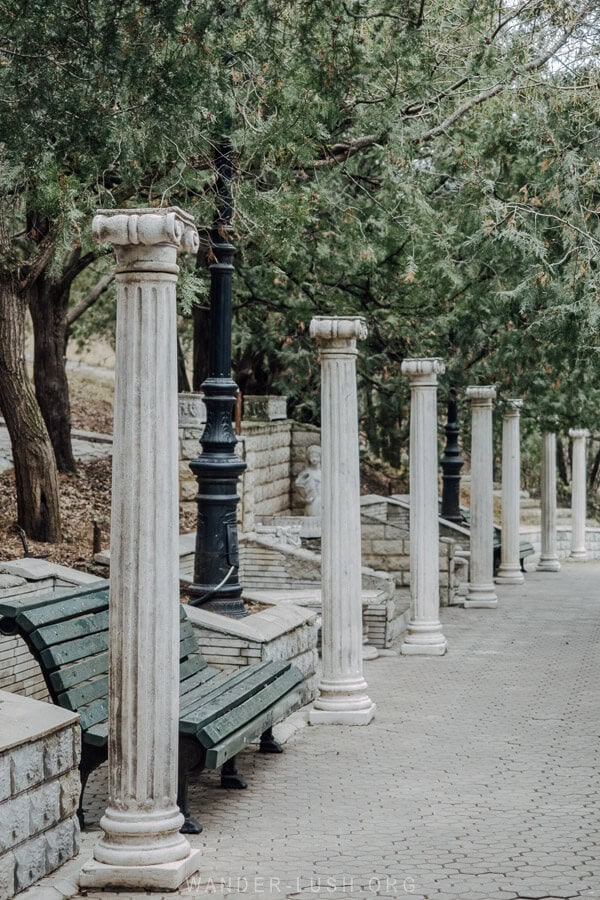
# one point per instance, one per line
(500, 86)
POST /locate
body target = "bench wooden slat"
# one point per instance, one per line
(70, 676)
(67, 607)
(69, 630)
(93, 714)
(12, 606)
(242, 713)
(188, 646)
(53, 657)
(83, 695)
(96, 735)
(227, 694)
(220, 753)
(220, 682)
(190, 684)
(191, 665)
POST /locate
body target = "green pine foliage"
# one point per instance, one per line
(433, 167)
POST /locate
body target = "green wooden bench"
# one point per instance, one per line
(219, 713)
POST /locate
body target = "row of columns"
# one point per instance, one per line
(141, 845)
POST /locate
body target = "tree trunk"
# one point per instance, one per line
(183, 382)
(38, 508)
(48, 304)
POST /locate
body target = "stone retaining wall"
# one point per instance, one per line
(386, 546)
(39, 790)
(532, 533)
(269, 566)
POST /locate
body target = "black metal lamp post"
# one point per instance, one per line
(451, 463)
(216, 563)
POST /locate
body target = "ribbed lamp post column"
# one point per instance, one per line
(343, 698)
(509, 571)
(216, 561)
(548, 558)
(451, 463)
(481, 592)
(578, 493)
(424, 637)
(141, 846)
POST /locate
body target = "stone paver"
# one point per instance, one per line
(476, 779)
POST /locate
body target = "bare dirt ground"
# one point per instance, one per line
(84, 497)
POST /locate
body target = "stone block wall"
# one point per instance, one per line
(39, 790)
(281, 633)
(265, 485)
(386, 546)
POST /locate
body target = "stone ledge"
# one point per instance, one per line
(260, 627)
(39, 569)
(23, 720)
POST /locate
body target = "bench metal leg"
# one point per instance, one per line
(230, 777)
(268, 744)
(188, 759)
(91, 758)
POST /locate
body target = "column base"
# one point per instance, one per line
(509, 575)
(550, 564)
(578, 555)
(341, 716)
(420, 649)
(164, 877)
(369, 651)
(481, 596)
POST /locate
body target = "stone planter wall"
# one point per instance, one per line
(39, 790)
(286, 632)
(19, 671)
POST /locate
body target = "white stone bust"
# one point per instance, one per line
(308, 482)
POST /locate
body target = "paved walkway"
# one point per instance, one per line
(477, 779)
(87, 446)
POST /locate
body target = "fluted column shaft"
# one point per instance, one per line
(342, 689)
(481, 591)
(510, 569)
(141, 844)
(578, 494)
(424, 637)
(548, 558)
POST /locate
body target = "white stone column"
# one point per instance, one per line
(578, 493)
(424, 636)
(343, 698)
(481, 591)
(141, 846)
(509, 571)
(548, 558)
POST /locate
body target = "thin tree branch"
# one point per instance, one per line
(96, 292)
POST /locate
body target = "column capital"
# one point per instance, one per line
(481, 395)
(339, 331)
(423, 370)
(146, 238)
(513, 407)
(575, 433)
